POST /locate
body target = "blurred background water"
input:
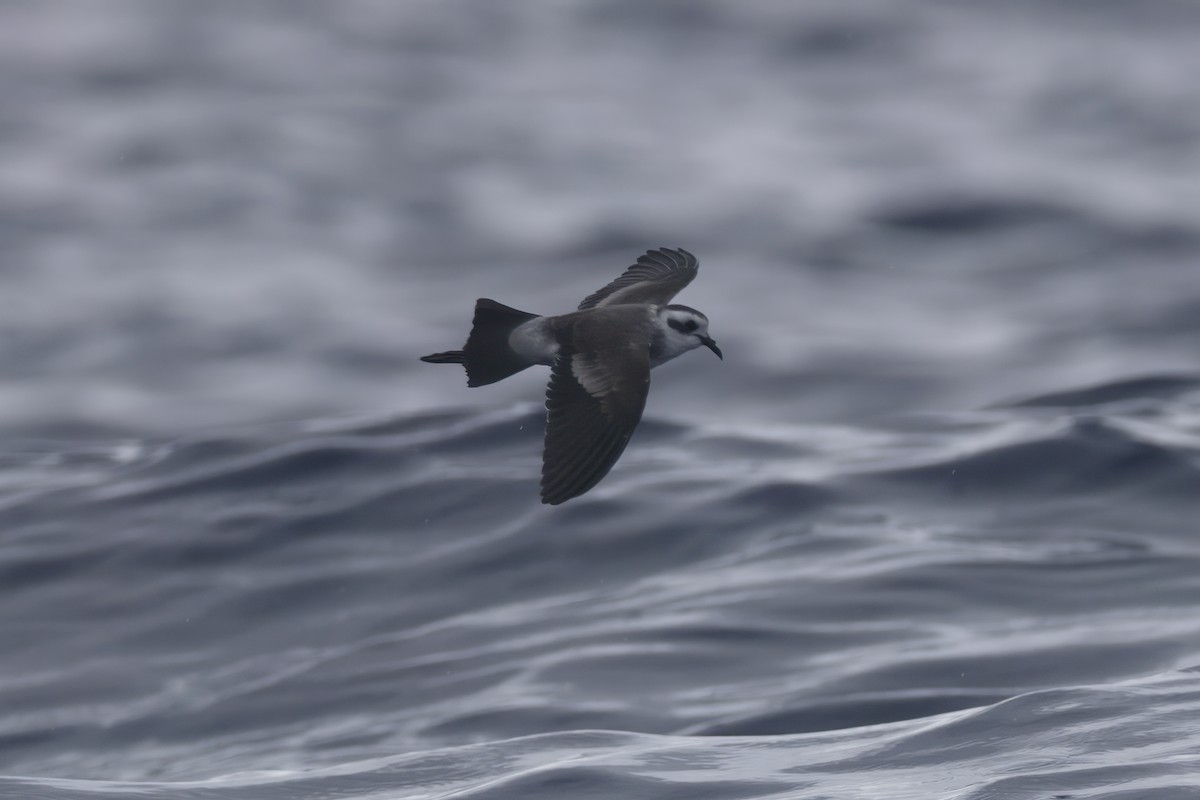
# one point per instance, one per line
(929, 531)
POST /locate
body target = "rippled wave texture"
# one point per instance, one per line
(905, 599)
(927, 533)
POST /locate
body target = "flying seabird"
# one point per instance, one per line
(600, 357)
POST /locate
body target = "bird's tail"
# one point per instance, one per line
(487, 355)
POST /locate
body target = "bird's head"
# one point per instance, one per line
(685, 329)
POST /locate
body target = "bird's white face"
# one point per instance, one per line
(684, 329)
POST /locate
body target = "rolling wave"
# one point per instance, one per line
(1130, 740)
(797, 587)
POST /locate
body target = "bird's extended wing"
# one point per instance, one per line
(655, 279)
(597, 391)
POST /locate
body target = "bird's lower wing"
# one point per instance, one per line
(598, 388)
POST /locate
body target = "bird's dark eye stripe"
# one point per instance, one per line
(683, 326)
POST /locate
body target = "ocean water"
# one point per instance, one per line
(928, 531)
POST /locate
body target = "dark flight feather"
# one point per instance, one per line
(598, 387)
(657, 276)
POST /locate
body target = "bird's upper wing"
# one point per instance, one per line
(655, 278)
(597, 391)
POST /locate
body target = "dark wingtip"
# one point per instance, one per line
(678, 256)
(557, 498)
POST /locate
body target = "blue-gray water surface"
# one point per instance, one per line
(928, 531)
